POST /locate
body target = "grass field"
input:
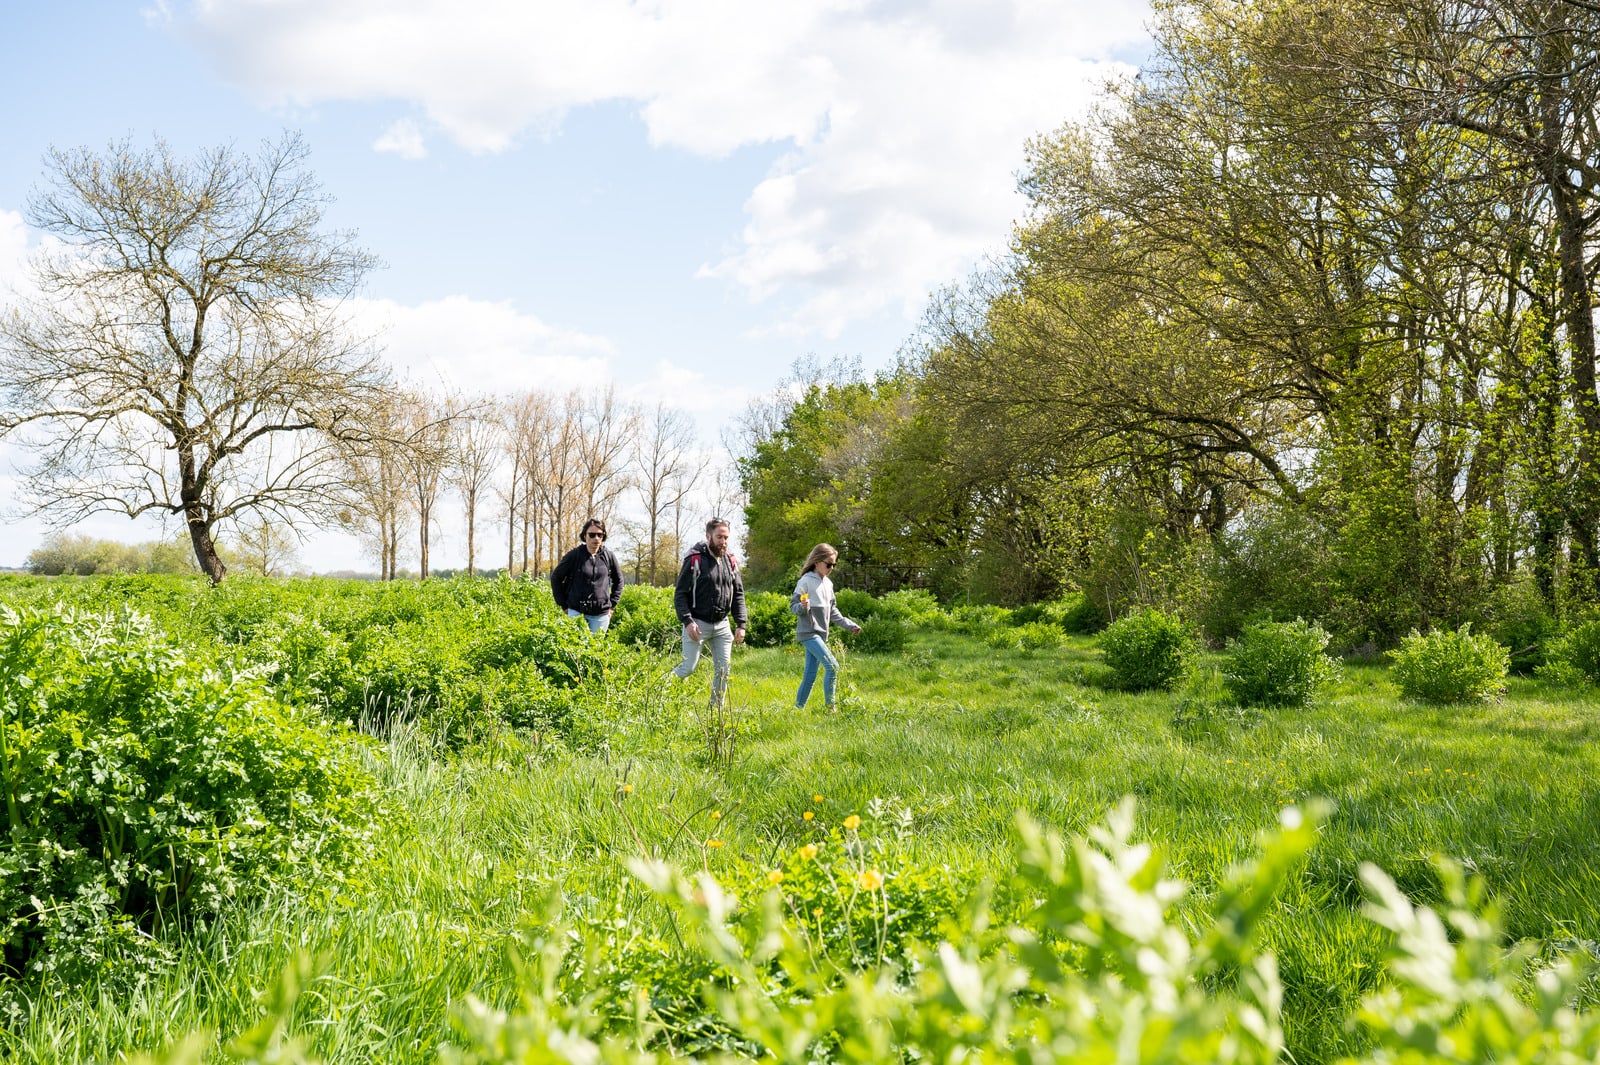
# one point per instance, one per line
(938, 747)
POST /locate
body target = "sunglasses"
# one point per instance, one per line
(594, 536)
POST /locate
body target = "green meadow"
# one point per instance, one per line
(936, 747)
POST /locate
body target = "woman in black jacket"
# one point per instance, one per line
(587, 582)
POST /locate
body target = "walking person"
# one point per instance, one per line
(812, 603)
(710, 589)
(587, 582)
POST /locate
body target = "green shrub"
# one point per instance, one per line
(1079, 614)
(1148, 649)
(145, 790)
(857, 606)
(305, 663)
(974, 620)
(644, 617)
(1519, 619)
(879, 636)
(771, 623)
(1577, 654)
(1278, 664)
(1040, 636)
(1003, 639)
(915, 606)
(1450, 667)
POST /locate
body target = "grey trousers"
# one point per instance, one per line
(719, 638)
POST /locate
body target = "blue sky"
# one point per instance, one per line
(678, 197)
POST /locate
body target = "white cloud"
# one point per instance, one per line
(709, 399)
(402, 138)
(906, 117)
(479, 346)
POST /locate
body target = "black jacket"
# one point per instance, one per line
(589, 584)
(709, 588)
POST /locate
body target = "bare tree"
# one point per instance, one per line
(475, 449)
(376, 475)
(555, 479)
(424, 455)
(262, 546)
(524, 424)
(185, 352)
(606, 430)
(663, 455)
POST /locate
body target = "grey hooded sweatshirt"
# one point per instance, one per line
(815, 619)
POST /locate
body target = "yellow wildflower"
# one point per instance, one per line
(852, 821)
(716, 815)
(713, 843)
(627, 789)
(808, 815)
(775, 877)
(871, 879)
(808, 852)
(816, 798)
(817, 912)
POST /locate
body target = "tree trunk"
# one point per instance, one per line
(205, 551)
(472, 521)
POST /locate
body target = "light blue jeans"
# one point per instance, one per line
(597, 622)
(719, 638)
(817, 654)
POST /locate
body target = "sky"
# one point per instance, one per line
(679, 198)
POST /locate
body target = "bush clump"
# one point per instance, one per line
(1148, 649)
(1447, 666)
(1040, 636)
(1278, 664)
(146, 790)
(1575, 657)
(879, 636)
(644, 617)
(771, 622)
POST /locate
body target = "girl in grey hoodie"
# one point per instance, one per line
(812, 603)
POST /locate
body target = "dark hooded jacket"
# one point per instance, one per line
(709, 588)
(589, 584)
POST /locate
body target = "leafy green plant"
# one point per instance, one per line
(145, 790)
(644, 617)
(771, 623)
(856, 605)
(879, 636)
(1519, 619)
(1040, 636)
(1447, 666)
(1577, 654)
(1278, 664)
(1147, 649)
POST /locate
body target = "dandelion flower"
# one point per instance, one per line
(775, 876)
(816, 798)
(809, 851)
(852, 821)
(808, 815)
(871, 879)
(716, 815)
(817, 912)
(713, 843)
(627, 789)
